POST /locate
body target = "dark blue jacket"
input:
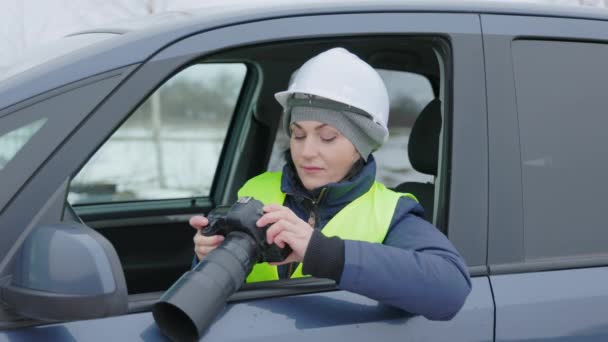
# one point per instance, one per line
(416, 269)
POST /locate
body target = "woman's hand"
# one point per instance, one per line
(203, 244)
(286, 229)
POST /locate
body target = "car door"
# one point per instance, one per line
(546, 113)
(153, 235)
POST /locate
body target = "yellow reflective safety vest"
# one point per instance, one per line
(366, 218)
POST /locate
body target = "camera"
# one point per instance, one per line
(192, 303)
(242, 216)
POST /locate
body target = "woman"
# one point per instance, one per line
(326, 205)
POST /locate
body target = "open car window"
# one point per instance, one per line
(170, 146)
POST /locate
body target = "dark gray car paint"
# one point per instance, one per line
(42, 287)
(337, 315)
(570, 305)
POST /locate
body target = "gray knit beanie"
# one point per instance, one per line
(356, 125)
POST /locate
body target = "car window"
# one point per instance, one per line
(563, 160)
(408, 93)
(12, 141)
(170, 146)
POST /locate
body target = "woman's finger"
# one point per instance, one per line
(277, 213)
(202, 240)
(276, 229)
(203, 245)
(272, 217)
(272, 207)
(289, 238)
(198, 221)
(284, 238)
(204, 250)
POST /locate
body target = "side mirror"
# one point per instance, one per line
(66, 271)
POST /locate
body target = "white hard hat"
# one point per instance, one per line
(341, 76)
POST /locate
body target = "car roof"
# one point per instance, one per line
(149, 34)
(268, 8)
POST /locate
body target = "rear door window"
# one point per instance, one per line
(561, 105)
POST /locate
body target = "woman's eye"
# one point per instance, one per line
(298, 137)
(328, 139)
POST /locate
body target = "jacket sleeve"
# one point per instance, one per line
(416, 269)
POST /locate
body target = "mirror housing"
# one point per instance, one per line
(66, 271)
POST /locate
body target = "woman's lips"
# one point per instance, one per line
(311, 169)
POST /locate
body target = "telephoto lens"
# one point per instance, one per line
(187, 309)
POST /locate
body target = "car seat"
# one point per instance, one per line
(423, 150)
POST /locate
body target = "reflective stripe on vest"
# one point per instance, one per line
(364, 219)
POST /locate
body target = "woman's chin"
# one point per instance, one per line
(311, 184)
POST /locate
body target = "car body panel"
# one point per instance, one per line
(327, 315)
(568, 305)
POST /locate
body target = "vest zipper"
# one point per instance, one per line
(312, 219)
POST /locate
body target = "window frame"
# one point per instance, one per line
(195, 204)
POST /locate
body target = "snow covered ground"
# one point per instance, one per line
(182, 165)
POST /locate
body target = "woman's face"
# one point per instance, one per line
(320, 153)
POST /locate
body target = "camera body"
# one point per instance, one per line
(242, 217)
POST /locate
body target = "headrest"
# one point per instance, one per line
(423, 146)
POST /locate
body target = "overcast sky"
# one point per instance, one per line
(28, 23)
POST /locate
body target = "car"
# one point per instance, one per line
(111, 139)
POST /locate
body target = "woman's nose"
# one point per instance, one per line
(309, 148)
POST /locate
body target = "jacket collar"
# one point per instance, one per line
(333, 194)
